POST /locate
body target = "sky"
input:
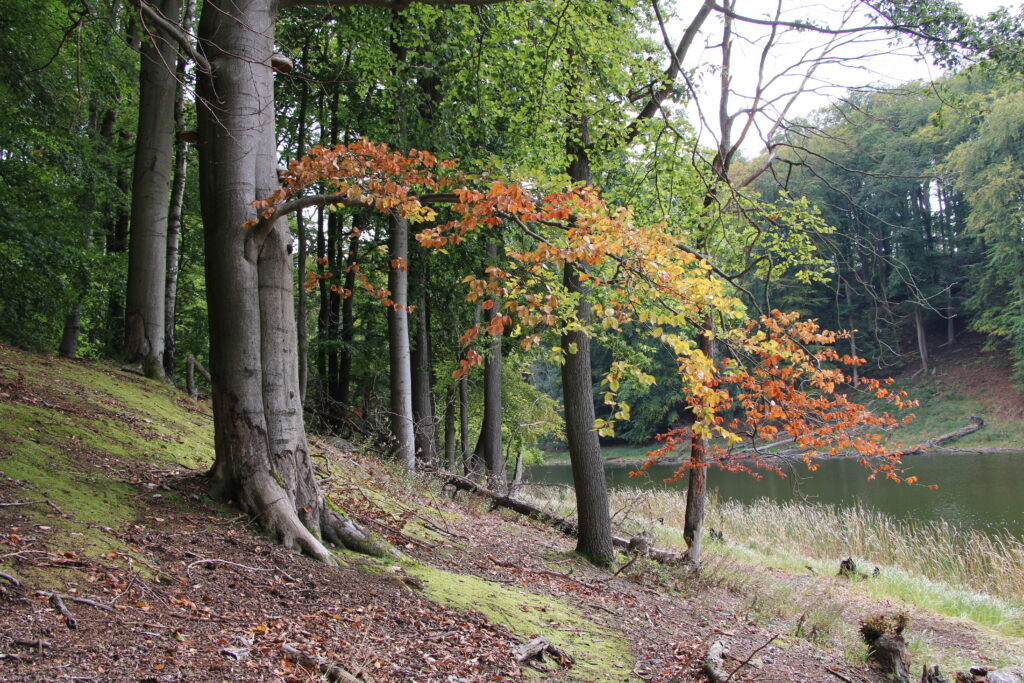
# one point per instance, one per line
(852, 61)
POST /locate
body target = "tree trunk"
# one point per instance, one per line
(697, 486)
(262, 461)
(467, 455)
(423, 373)
(348, 319)
(922, 341)
(595, 537)
(398, 342)
(334, 248)
(177, 200)
(300, 225)
(72, 327)
(494, 459)
(147, 246)
(449, 430)
(322, 314)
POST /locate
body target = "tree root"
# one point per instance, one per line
(331, 671)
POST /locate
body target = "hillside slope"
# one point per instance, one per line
(102, 503)
(966, 380)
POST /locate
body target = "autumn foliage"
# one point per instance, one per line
(779, 380)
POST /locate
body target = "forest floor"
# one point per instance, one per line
(102, 503)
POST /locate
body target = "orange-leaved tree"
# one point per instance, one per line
(782, 377)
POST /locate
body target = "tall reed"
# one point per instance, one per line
(987, 562)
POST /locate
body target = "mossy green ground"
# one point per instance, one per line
(69, 431)
(65, 429)
(601, 654)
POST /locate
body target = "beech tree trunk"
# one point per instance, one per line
(348, 319)
(697, 486)
(177, 200)
(423, 373)
(467, 454)
(300, 225)
(398, 343)
(72, 327)
(262, 461)
(147, 245)
(449, 430)
(595, 535)
(922, 340)
(490, 437)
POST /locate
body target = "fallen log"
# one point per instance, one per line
(974, 423)
(331, 671)
(531, 654)
(984, 674)
(564, 524)
(714, 662)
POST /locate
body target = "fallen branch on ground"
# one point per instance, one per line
(563, 524)
(714, 662)
(332, 671)
(531, 654)
(75, 598)
(974, 423)
(59, 605)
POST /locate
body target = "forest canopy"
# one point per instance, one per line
(465, 230)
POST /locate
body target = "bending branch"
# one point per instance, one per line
(175, 32)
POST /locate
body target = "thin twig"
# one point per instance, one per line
(751, 656)
(839, 675)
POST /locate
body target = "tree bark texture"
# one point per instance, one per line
(147, 245)
(174, 211)
(300, 225)
(449, 429)
(262, 461)
(423, 372)
(467, 454)
(398, 343)
(72, 327)
(348, 319)
(494, 459)
(697, 485)
(595, 538)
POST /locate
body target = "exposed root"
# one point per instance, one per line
(342, 531)
(279, 518)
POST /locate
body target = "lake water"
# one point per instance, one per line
(983, 491)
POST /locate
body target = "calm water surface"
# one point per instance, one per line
(984, 491)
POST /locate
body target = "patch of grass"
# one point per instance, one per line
(601, 655)
(938, 566)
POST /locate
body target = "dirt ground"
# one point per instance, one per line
(180, 588)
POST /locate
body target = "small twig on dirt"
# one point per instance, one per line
(69, 619)
(751, 656)
(75, 598)
(839, 675)
(627, 565)
(37, 644)
(11, 579)
(332, 671)
(230, 564)
(19, 503)
(432, 527)
(603, 608)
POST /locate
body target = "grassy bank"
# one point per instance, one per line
(939, 566)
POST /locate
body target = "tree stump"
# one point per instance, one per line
(887, 649)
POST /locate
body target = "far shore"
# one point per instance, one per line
(639, 460)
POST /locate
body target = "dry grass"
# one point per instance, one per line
(940, 566)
